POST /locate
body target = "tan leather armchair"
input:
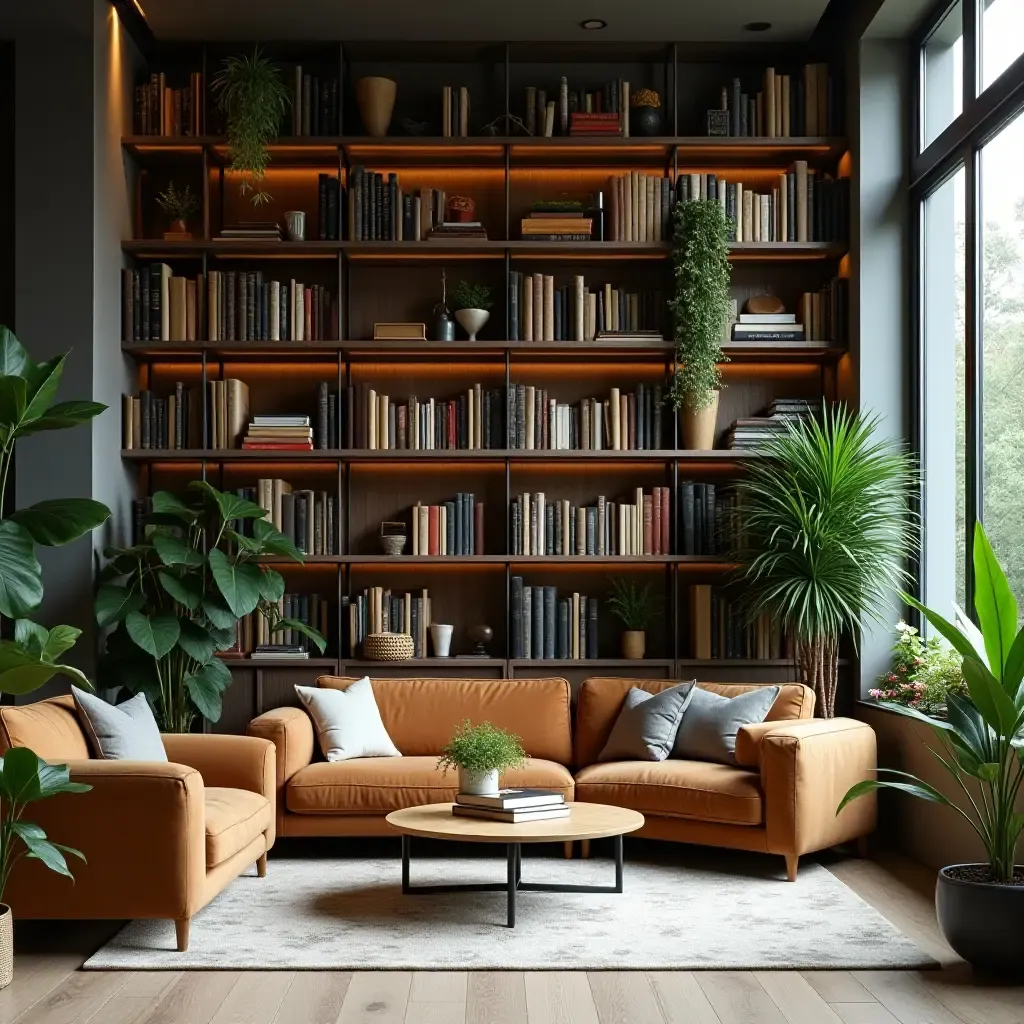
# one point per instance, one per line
(160, 839)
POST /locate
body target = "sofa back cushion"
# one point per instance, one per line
(49, 727)
(421, 714)
(601, 698)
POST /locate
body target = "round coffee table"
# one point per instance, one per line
(586, 821)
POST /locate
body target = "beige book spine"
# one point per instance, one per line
(383, 441)
(786, 100)
(650, 182)
(538, 307)
(528, 309)
(577, 319)
(591, 316)
(783, 209)
(627, 207)
(371, 416)
(616, 424)
(549, 307)
(658, 212)
(800, 168)
(740, 227)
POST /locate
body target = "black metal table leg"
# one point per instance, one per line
(618, 863)
(519, 863)
(406, 843)
(512, 855)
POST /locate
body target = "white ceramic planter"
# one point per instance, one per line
(441, 635)
(478, 783)
(472, 320)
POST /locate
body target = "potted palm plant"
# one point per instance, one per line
(826, 529)
(481, 753)
(699, 307)
(980, 907)
(472, 305)
(636, 608)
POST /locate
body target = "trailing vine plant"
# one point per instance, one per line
(254, 100)
(700, 303)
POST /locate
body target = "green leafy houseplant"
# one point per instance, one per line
(700, 303)
(826, 529)
(178, 204)
(478, 749)
(254, 100)
(923, 673)
(466, 295)
(175, 600)
(634, 606)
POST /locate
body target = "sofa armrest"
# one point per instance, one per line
(291, 732)
(234, 762)
(142, 829)
(749, 737)
(806, 769)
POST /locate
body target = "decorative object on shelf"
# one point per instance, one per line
(827, 527)
(472, 306)
(718, 123)
(392, 538)
(388, 647)
(179, 205)
(980, 906)
(175, 600)
(636, 607)
(645, 112)
(376, 99)
(444, 325)
(441, 638)
(924, 672)
(399, 332)
(764, 305)
(295, 222)
(481, 753)
(699, 307)
(480, 636)
(254, 100)
(461, 209)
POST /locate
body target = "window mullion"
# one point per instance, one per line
(972, 363)
(971, 10)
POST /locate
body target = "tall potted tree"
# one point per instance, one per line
(825, 529)
(699, 307)
(981, 744)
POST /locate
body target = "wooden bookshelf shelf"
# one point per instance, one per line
(454, 455)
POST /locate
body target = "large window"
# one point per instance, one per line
(1002, 37)
(943, 60)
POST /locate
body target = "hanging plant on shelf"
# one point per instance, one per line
(254, 100)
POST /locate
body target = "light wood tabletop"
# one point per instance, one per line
(586, 821)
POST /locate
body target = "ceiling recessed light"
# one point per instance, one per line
(593, 24)
(757, 26)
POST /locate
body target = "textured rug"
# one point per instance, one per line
(685, 913)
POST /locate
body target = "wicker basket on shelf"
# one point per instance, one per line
(387, 647)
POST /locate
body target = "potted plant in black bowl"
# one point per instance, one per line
(980, 906)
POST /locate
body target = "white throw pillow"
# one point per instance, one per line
(347, 722)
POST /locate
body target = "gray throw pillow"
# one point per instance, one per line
(125, 732)
(708, 729)
(646, 726)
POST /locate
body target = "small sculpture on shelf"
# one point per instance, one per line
(392, 538)
(480, 636)
(645, 112)
(472, 305)
(179, 205)
(444, 325)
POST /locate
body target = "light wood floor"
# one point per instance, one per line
(49, 989)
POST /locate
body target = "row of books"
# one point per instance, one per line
(151, 421)
(753, 431)
(787, 105)
(306, 517)
(328, 207)
(540, 311)
(624, 421)
(825, 314)
(279, 433)
(379, 610)
(512, 806)
(640, 207)
(546, 626)
(720, 628)
(246, 306)
(380, 210)
(157, 305)
(160, 110)
(452, 528)
(549, 116)
(475, 419)
(454, 111)
(254, 634)
(705, 518)
(314, 104)
(541, 526)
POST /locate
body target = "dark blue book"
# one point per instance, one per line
(516, 598)
(550, 598)
(562, 644)
(537, 631)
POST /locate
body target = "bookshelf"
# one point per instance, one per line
(387, 281)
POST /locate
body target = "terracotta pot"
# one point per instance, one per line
(982, 921)
(699, 426)
(634, 644)
(376, 99)
(178, 230)
(6, 945)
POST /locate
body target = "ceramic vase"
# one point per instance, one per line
(699, 426)
(376, 99)
(478, 783)
(441, 635)
(472, 320)
(634, 644)
(645, 121)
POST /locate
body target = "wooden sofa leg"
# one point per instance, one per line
(181, 929)
(585, 849)
(792, 862)
(261, 866)
(567, 849)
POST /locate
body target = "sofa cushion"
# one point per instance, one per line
(347, 722)
(373, 785)
(420, 715)
(646, 727)
(234, 818)
(676, 789)
(49, 727)
(601, 698)
(708, 729)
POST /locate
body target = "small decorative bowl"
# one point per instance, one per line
(388, 647)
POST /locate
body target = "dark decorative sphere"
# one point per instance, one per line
(645, 121)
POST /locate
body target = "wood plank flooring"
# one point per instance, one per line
(48, 988)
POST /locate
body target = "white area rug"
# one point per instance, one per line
(350, 914)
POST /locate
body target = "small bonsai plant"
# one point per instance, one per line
(254, 100)
(923, 674)
(466, 295)
(636, 608)
(481, 753)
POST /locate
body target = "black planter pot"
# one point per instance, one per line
(645, 121)
(982, 921)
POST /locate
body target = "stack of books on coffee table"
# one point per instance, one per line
(512, 805)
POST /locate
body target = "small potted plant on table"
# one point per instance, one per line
(481, 753)
(472, 303)
(636, 608)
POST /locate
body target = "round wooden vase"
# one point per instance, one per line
(376, 99)
(634, 644)
(699, 426)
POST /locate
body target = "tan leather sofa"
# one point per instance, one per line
(781, 797)
(160, 839)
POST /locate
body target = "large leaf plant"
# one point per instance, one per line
(175, 600)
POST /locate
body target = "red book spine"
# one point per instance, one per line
(478, 529)
(453, 415)
(666, 523)
(648, 523)
(433, 527)
(656, 523)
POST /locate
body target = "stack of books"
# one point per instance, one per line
(556, 222)
(265, 230)
(767, 327)
(457, 231)
(279, 433)
(594, 124)
(283, 652)
(512, 805)
(771, 422)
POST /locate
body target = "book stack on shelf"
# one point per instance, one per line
(768, 327)
(308, 518)
(160, 110)
(547, 117)
(452, 528)
(721, 628)
(154, 422)
(157, 305)
(472, 420)
(800, 104)
(247, 306)
(603, 124)
(512, 805)
(540, 311)
(282, 652)
(455, 111)
(630, 421)
(642, 526)
(545, 626)
(312, 610)
(640, 207)
(378, 610)
(458, 231)
(825, 313)
(751, 433)
(557, 221)
(279, 433)
(332, 410)
(314, 104)
(707, 518)
(227, 412)
(250, 231)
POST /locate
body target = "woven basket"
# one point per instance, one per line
(387, 647)
(6, 946)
